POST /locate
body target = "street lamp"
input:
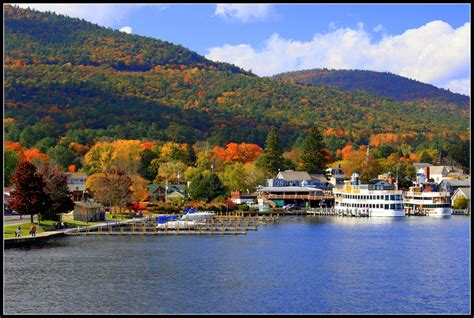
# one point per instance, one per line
(212, 167)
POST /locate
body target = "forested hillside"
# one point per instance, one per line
(378, 83)
(68, 80)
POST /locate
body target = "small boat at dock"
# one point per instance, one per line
(191, 219)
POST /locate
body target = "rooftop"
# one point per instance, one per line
(290, 175)
(288, 189)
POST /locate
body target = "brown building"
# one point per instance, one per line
(88, 211)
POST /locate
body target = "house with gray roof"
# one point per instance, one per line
(438, 173)
(451, 185)
(291, 178)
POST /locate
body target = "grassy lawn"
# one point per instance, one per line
(117, 216)
(9, 230)
(45, 225)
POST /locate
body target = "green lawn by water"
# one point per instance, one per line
(45, 225)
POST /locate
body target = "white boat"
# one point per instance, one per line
(194, 215)
(179, 224)
(424, 198)
(191, 219)
(378, 198)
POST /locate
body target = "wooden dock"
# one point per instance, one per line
(231, 224)
(333, 212)
(461, 212)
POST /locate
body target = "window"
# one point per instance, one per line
(392, 206)
(392, 197)
(386, 206)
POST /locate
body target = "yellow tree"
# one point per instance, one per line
(139, 188)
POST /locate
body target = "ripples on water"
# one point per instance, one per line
(299, 265)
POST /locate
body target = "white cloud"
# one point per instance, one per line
(243, 12)
(102, 14)
(126, 29)
(462, 86)
(434, 53)
(378, 28)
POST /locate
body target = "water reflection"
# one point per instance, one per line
(301, 264)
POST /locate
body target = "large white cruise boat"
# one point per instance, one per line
(378, 198)
(423, 197)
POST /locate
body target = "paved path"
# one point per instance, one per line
(43, 236)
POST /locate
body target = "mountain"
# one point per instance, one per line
(68, 80)
(378, 83)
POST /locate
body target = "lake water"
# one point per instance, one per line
(306, 264)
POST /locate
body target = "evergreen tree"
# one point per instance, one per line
(314, 155)
(206, 186)
(272, 160)
(29, 196)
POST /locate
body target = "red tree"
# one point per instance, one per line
(29, 196)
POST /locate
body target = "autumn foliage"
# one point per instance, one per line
(243, 152)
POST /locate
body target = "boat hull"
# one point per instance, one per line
(173, 225)
(440, 212)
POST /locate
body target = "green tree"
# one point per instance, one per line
(234, 177)
(314, 155)
(460, 152)
(171, 170)
(61, 155)
(460, 203)
(272, 160)
(206, 186)
(146, 169)
(11, 160)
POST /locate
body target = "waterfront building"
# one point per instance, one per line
(425, 197)
(336, 176)
(302, 196)
(88, 212)
(291, 178)
(420, 170)
(462, 192)
(76, 183)
(7, 195)
(160, 192)
(451, 185)
(439, 173)
(377, 198)
(239, 197)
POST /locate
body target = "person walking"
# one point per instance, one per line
(18, 231)
(33, 231)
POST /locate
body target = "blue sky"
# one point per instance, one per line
(430, 43)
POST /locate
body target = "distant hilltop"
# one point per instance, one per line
(379, 83)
